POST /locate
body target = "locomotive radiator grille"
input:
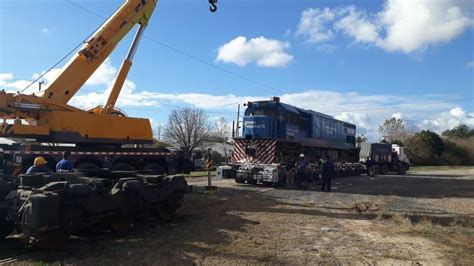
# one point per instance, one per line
(264, 151)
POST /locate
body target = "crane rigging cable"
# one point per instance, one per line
(68, 54)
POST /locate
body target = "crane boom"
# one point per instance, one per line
(49, 118)
(79, 69)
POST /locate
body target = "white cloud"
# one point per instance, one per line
(8, 82)
(412, 25)
(366, 111)
(360, 119)
(397, 115)
(5, 78)
(457, 112)
(313, 24)
(357, 25)
(45, 30)
(104, 75)
(470, 64)
(262, 51)
(402, 25)
(448, 120)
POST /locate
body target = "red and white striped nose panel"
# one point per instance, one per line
(264, 151)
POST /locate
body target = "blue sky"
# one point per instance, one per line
(351, 59)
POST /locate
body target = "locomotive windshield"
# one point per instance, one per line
(260, 111)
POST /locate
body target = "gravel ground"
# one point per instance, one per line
(413, 219)
(448, 193)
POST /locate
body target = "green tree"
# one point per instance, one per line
(462, 131)
(425, 148)
(393, 130)
(454, 154)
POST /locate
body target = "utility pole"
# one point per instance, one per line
(238, 117)
(39, 85)
(233, 129)
(158, 132)
(209, 167)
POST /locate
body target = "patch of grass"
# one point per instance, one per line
(200, 173)
(440, 167)
(458, 241)
(265, 258)
(324, 254)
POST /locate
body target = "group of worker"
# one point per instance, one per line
(297, 173)
(39, 165)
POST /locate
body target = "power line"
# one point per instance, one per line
(64, 57)
(51, 68)
(202, 61)
(167, 110)
(404, 105)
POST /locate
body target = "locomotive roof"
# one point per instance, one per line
(295, 109)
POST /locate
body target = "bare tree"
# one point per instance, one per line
(159, 131)
(360, 139)
(393, 130)
(188, 128)
(222, 132)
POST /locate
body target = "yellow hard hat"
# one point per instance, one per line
(40, 161)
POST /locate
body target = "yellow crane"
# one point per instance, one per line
(49, 118)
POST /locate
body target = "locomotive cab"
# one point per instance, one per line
(272, 119)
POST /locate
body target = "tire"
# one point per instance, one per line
(155, 169)
(402, 170)
(376, 169)
(251, 181)
(122, 167)
(51, 240)
(186, 166)
(88, 166)
(384, 170)
(166, 212)
(121, 225)
(239, 181)
(5, 227)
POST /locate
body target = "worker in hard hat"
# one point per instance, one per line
(301, 171)
(38, 167)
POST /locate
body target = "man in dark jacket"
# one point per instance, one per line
(369, 164)
(301, 171)
(327, 173)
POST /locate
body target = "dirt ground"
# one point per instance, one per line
(421, 218)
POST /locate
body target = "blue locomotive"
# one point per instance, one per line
(273, 131)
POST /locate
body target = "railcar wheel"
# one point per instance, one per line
(155, 168)
(88, 166)
(167, 210)
(402, 170)
(49, 240)
(239, 180)
(5, 227)
(122, 167)
(251, 181)
(384, 170)
(121, 225)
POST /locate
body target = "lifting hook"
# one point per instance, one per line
(213, 7)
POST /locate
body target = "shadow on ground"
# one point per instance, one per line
(407, 186)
